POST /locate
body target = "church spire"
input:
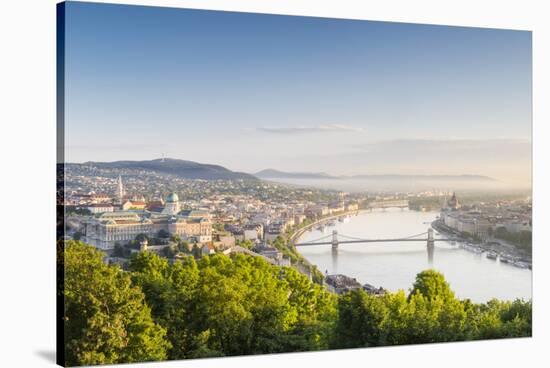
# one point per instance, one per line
(120, 189)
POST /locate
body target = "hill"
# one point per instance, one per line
(181, 168)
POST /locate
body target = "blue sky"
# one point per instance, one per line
(252, 91)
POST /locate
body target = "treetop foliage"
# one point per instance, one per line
(233, 305)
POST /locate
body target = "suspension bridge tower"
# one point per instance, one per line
(430, 245)
(334, 239)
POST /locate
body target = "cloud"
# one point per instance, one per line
(323, 128)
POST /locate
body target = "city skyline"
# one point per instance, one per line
(300, 94)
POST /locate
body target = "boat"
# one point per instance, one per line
(521, 264)
(505, 259)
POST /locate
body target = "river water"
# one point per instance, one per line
(395, 265)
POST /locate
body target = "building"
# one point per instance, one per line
(115, 227)
(253, 232)
(336, 207)
(100, 198)
(373, 290)
(224, 240)
(298, 219)
(100, 208)
(471, 222)
(155, 206)
(207, 249)
(453, 203)
(122, 227)
(341, 283)
(317, 211)
(172, 206)
(133, 205)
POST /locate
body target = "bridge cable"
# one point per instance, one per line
(316, 240)
(356, 238)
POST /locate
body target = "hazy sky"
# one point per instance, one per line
(252, 91)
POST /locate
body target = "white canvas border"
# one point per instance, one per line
(28, 180)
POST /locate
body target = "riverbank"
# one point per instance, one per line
(299, 232)
(494, 249)
(304, 266)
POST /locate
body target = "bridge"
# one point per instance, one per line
(335, 241)
(401, 203)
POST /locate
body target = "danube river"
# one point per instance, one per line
(395, 265)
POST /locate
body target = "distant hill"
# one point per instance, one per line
(273, 174)
(181, 168)
(426, 177)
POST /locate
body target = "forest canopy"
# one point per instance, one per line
(236, 305)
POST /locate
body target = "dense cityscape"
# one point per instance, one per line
(123, 211)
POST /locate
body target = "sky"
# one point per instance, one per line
(256, 91)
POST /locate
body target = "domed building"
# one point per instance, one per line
(124, 226)
(172, 205)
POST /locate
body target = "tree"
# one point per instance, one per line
(183, 246)
(118, 250)
(233, 305)
(77, 235)
(169, 290)
(431, 284)
(239, 304)
(168, 251)
(163, 234)
(141, 237)
(430, 313)
(106, 318)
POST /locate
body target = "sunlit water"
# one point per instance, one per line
(395, 265)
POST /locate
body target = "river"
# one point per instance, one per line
(395, 265)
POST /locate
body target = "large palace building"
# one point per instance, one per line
(121, 227)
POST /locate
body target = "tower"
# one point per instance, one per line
(334, 239)
(453, 202)
(120, 189)
(430, 245)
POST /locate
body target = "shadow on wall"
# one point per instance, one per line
(48, 355)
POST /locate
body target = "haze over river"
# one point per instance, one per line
(395, 265)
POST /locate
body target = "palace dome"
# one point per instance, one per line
(172, 197)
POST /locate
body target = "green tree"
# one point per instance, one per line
(105, 316)
(163, 234)
(168, 251)
(118, 251)
(169, 290)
